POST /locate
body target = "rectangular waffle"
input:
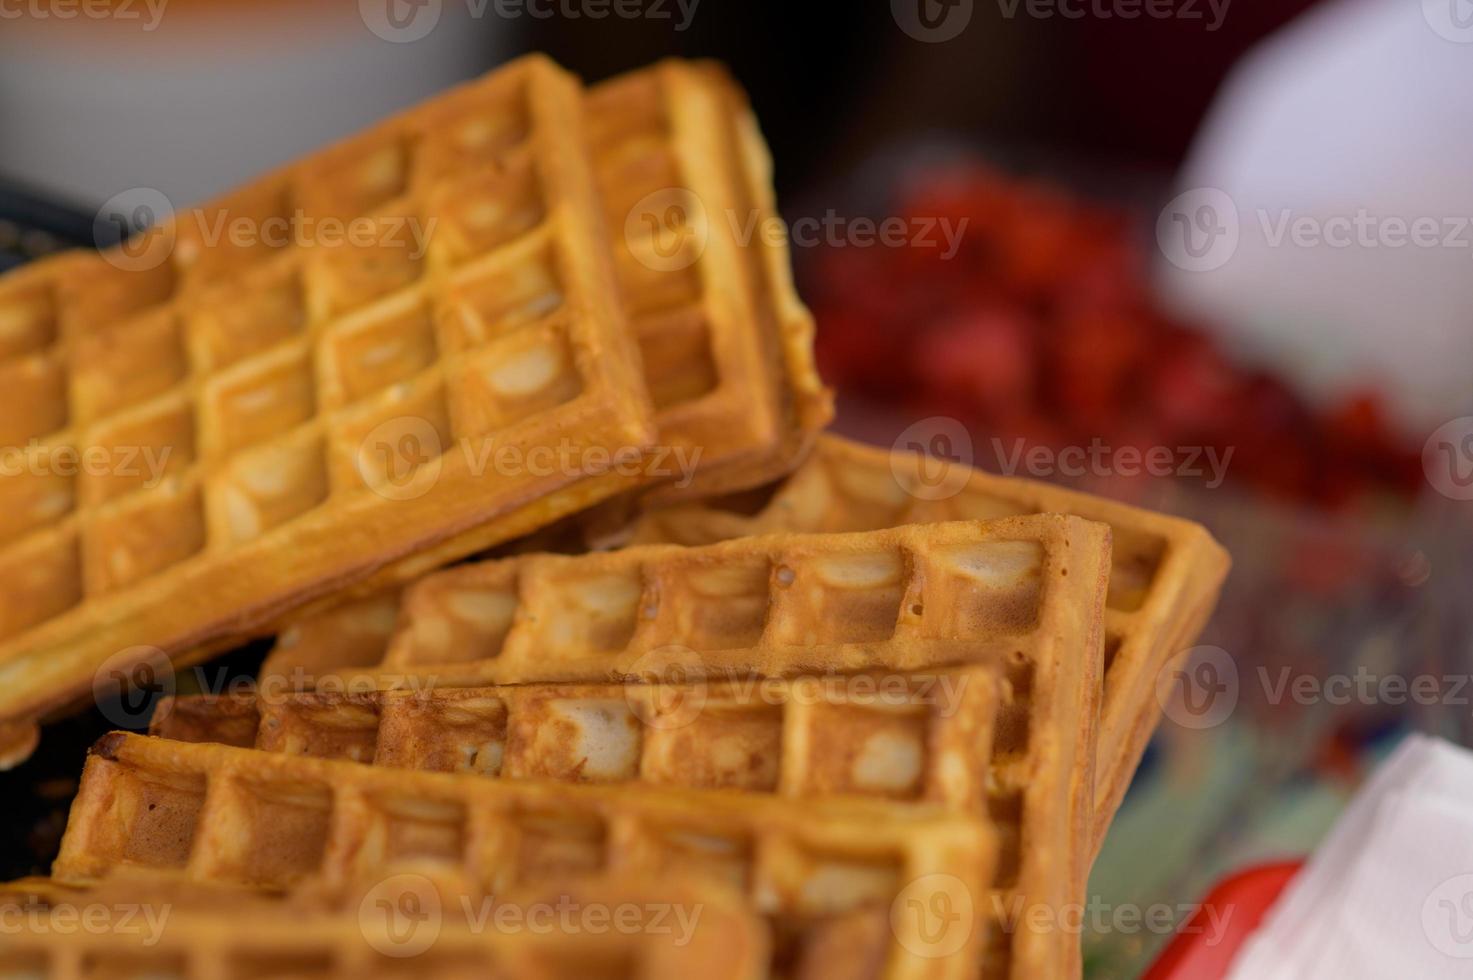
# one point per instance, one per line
(997, 744)
(726, 344)
(326, 406)
(949, 738)
(157, 925)
(1164, 580)
(906, 598)
(826, 876)
(520, 232)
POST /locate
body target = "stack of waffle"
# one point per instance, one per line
(868, 730)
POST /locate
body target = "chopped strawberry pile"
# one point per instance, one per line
(1042, 327)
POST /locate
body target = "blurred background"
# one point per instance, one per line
(1212, 256)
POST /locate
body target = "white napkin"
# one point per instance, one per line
(1390, 891)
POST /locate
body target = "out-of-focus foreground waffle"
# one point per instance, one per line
(1165, 575)
(726, 345)
(160, 925)
(835, 883)
(280, 384)
(309, 401)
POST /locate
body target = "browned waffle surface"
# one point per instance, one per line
(244, 818)
(685, 184)
(917, 737)
(727, 345)
(161, 925)
(1164, 580)
(1011, 738)
(312, 411)
(906, 598)
(996, 742)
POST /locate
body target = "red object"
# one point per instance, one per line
(1240, 902)
(1039, 323)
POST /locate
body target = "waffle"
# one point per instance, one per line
(995, 742)
(155, 925)
(1164, 581)
(726, 351)
(918, 737)
(820, 874)
(725, 343)
(304, 400)
(902, 599)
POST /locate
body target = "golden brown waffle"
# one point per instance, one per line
(157, 925)
(918, 737)
(1164, 581)
(326, 407)
(160, 924)
(818, 872)
(997, 744)
(1023, 597)
(726, 345)
(906, 598)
